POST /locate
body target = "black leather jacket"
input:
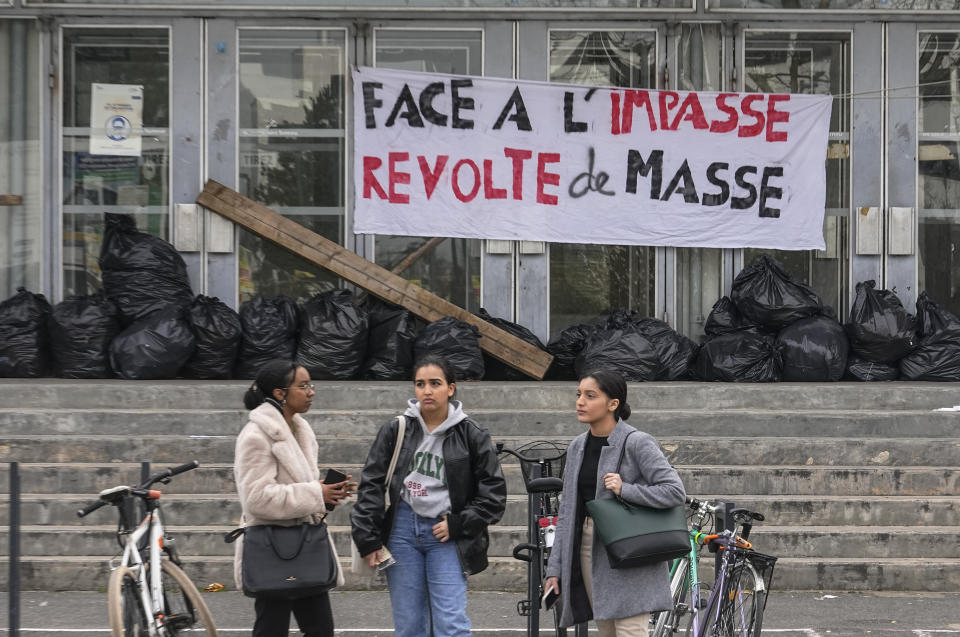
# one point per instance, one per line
(478, 492)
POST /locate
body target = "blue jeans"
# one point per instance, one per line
(426, 569)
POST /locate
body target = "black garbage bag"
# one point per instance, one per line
(936, 358)
(269, 331)
(216, 327)
(880, 329)
(740, 357)
(565, 347)
(931, 318)
(333, 336)
(81, 329)
(498, 370)
(677, 353)
(456, 341)
(393, 330)
(621, 349)
(23, 335)
(813, 349)
(862, 369)
(725, 318)
(153, 348)
(767, 295)
(141, 273)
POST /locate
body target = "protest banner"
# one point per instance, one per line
(460, 156)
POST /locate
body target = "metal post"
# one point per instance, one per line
(724, 522)
(16, 222)
(144, 476)
(13, 585)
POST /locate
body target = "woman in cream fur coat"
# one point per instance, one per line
(278, 482)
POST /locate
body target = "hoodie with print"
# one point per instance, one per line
(425, 487)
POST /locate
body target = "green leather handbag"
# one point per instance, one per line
(636, 535)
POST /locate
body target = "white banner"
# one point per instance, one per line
(459, 156)
(116, 119)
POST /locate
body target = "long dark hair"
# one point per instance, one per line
(449, 373)
(614, 386)
(277, 374)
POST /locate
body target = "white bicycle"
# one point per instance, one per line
(148, 595)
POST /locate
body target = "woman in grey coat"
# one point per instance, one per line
(619, 600)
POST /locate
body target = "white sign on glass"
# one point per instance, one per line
(116, 119)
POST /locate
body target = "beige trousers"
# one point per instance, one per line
(635, 626)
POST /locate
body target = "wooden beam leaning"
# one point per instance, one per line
(11, 200)
(374, 279)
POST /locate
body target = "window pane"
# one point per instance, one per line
(21, 178)
(292, 151)
(94, 181)
(589, 280)
(812, 63)
(449, 268)
(938, 168)
(826, 5)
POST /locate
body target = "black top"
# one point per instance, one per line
(587, 480)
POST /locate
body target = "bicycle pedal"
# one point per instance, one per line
(523, 608)
(178, 621)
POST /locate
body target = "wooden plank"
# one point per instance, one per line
(417, 254)
(377, 280)
(10, 200)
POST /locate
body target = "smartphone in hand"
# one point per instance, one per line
(333, 477)
(549, 599)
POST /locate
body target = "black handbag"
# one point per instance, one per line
(635, 535)
(286, 562)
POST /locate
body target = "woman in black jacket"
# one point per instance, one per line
(446, 488)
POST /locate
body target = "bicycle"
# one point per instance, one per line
(684, 577)
(148, 595)
(738, 597)
(541, 465)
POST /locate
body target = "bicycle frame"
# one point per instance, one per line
(151, 587)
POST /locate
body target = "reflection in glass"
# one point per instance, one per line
(589, 280)
(699, 283)
(97, 183)
(394, 4)
(292, 151)
(449, 268)
(938, 168)
(812, 63)
(827, 5)
(21, 179)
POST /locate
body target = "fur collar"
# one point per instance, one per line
(291, 448)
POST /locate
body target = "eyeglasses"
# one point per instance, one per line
(305, 387)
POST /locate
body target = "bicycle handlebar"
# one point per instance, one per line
(516, 454)
(169, 473)
(140, 490)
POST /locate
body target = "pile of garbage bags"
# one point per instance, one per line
(147, 324)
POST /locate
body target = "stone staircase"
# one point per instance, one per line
(860, 482)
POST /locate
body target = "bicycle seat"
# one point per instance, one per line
(545, 485)
(745, 515)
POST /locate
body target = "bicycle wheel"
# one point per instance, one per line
(185, 608)
(738, 608)
(124, 607)
(759, 604)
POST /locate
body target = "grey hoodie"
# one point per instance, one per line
(425, 487)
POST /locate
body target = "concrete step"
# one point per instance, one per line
(913, 451)
(545, 423)
(53, 573)
(931, 542)
(812, 480)
(350, 395)
(783, 510)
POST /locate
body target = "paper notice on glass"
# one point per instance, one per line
(116, 119)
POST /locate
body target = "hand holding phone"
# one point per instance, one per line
(549, 598)
(337, 477)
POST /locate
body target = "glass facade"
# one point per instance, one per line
(938, 172)
(22, 230)
(812, 63)
(448, 267)
(589, 280)
(109, 165)
(292, 151)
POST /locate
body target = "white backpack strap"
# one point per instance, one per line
(401, 429)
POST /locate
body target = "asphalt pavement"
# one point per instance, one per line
(367, 614)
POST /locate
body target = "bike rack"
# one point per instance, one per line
(13, 582)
